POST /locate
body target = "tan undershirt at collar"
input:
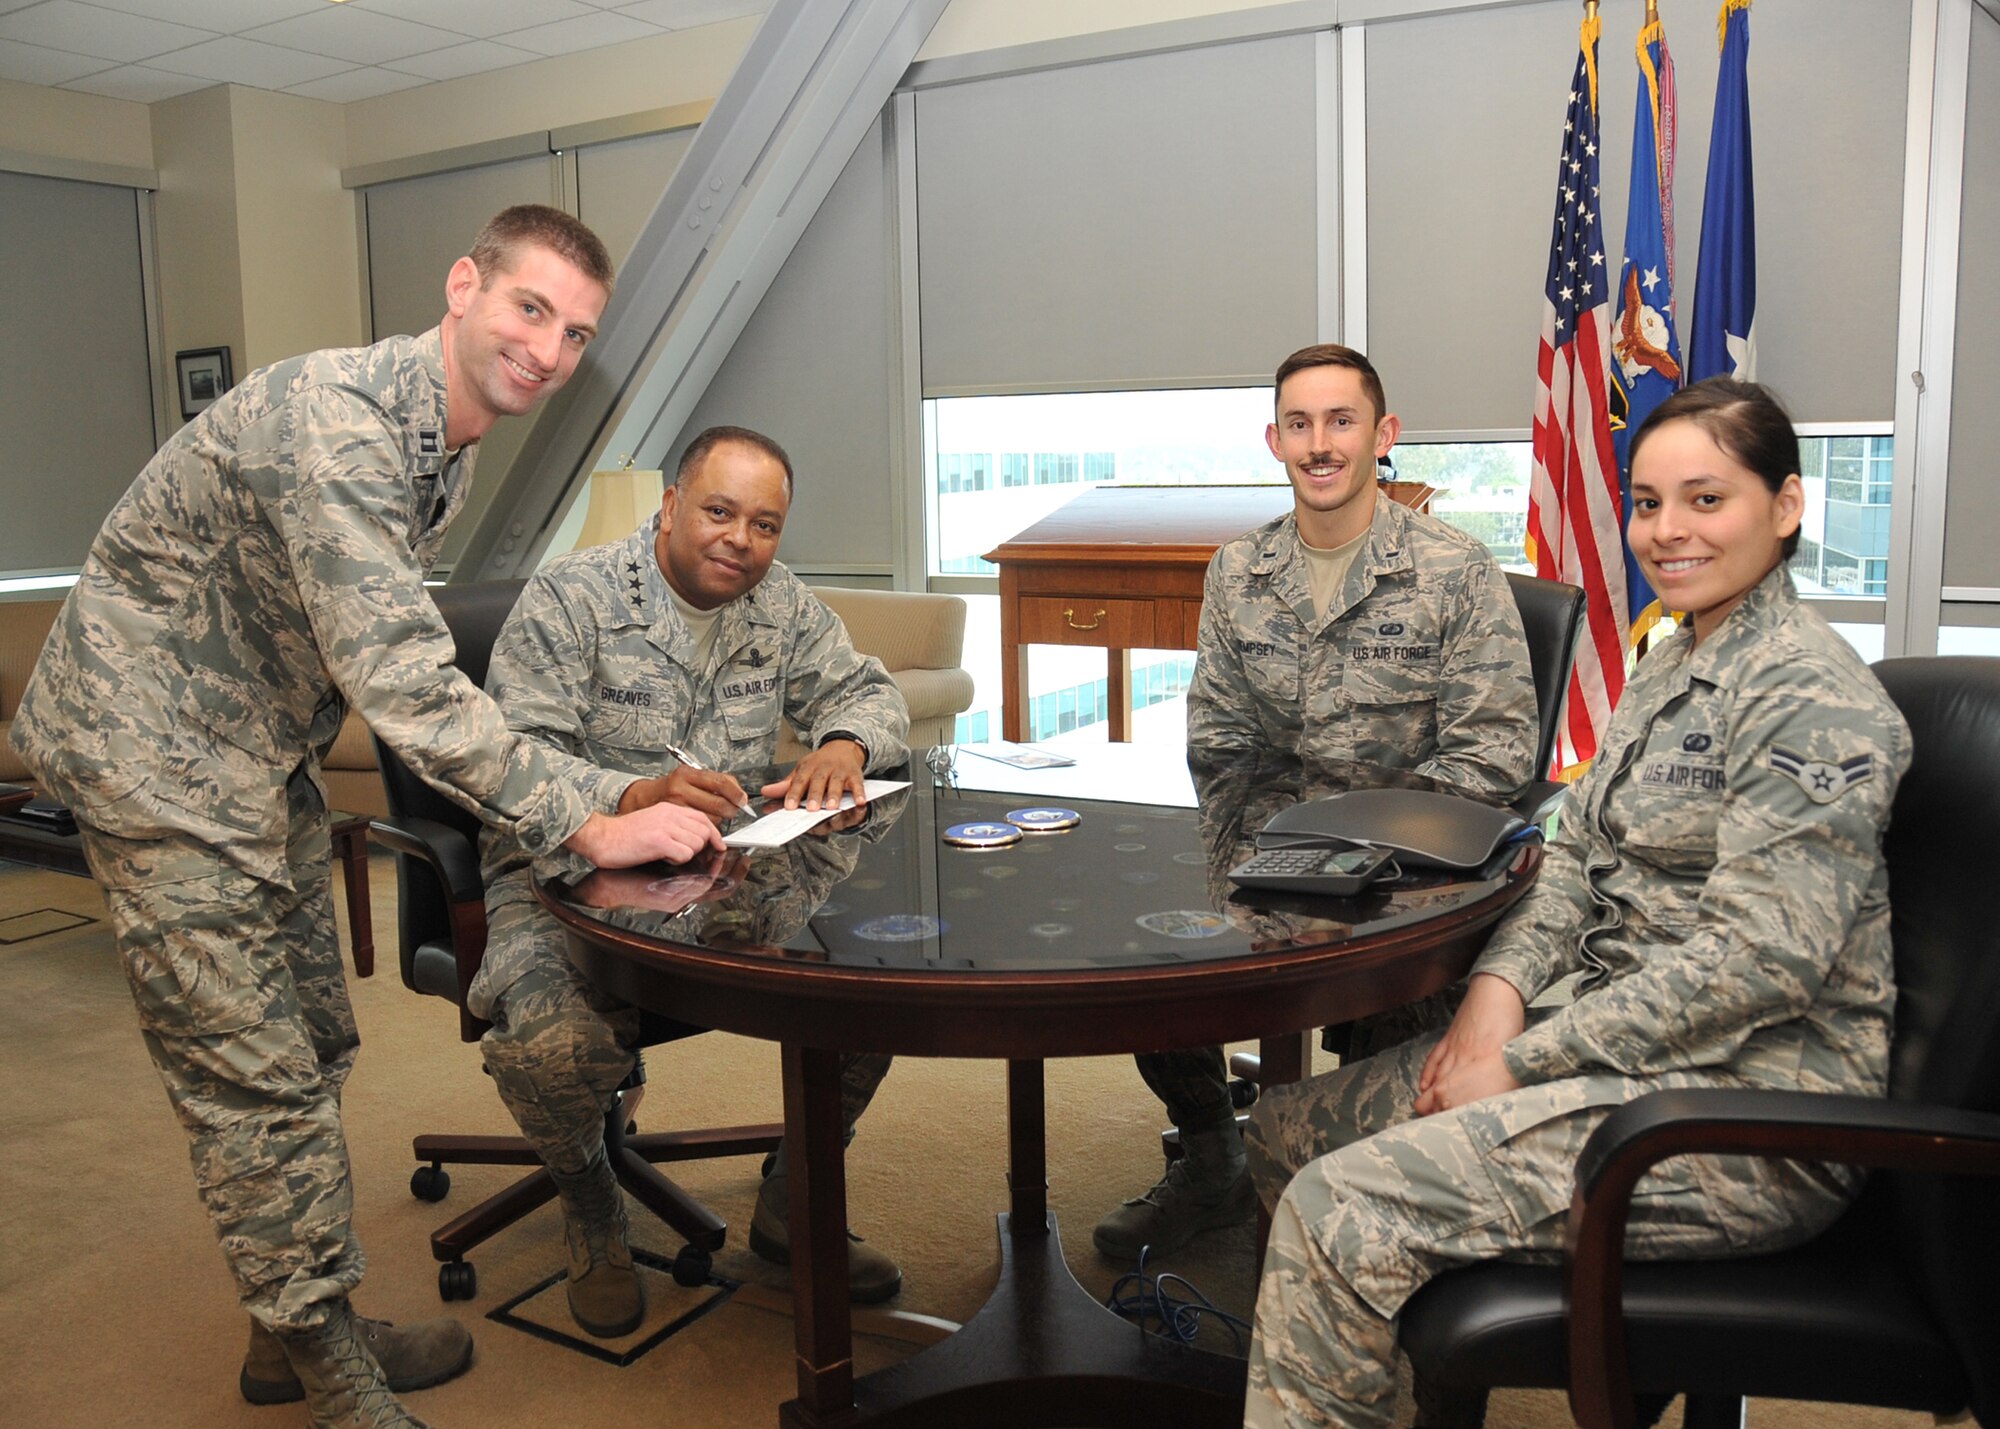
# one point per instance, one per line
(1326, 570)
(702, 624)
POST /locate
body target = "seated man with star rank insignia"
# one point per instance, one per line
(668, 660)
(1350, 632)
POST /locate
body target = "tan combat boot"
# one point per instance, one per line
(1207, 1188)
(344, 1387)
(413, 1356)
(871, 1276)
(605, 1295)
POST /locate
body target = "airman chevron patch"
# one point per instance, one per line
(1822, 782)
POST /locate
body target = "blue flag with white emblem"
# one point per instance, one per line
(1645, 354)
(1723, 342)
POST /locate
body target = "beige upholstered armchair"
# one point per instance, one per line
(920, 638)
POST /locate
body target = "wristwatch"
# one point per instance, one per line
(850, 737)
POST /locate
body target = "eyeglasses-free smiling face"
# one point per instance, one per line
(1328, 435)
(515, 337)
(719, 526)
(1705, 528)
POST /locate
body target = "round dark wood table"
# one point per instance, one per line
(1120, 934)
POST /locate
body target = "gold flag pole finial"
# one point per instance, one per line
(1652, 12)
(1587, 39)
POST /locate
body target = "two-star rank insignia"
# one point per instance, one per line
(1821, 781)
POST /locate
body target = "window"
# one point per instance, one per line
(1041, 451)
(1482, 489)
(1844, 536)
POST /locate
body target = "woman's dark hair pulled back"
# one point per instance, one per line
(1745, 419)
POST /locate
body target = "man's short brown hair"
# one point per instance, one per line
(499, 244)
(1332, 354)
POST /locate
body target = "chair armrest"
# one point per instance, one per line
(450, 855)
(1851, 1130)
(930, 693)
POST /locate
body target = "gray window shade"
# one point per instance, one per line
(813, 371)
(417, 228)
(77, 422)
(1135, 222)
(1972, 491)
(618, 185)
(1464, 112)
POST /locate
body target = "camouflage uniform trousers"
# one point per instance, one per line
(1372, 1202)
(560, 1046)
(243, 1007)
(1194, 1083)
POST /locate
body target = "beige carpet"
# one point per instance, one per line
(115, 1308)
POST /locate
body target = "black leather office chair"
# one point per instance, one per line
(1895, 1305)
(441, 932)
(1551, 617)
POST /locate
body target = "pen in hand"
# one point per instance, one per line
(691, 762)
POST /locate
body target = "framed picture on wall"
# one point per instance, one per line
(204, 376)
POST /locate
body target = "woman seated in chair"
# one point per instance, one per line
(1718, 883)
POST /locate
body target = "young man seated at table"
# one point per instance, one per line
(679, 649)
(1351, 631)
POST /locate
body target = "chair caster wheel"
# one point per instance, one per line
(430, 1183)
(691, 1266)
(457, 1281)
(770, 1161)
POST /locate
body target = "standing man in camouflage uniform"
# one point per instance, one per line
(264, 572)
(683, 647)
(1352, 632)
(1718, 881)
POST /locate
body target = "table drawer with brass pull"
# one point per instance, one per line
(1087, 620)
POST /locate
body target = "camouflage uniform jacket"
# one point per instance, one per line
(1418, 664)
(265, 569)
(1719, 875)
(596, 661)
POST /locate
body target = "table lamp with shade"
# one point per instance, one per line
(621, 500)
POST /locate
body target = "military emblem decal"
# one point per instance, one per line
(1822, 782)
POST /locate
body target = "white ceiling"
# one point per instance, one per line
(154, 49)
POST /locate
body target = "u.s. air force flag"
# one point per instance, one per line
(1723, 341)
(1645, 354)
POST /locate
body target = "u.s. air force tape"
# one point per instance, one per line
(1043, 820)
(982, 835)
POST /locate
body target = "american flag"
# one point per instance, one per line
(1573, 502)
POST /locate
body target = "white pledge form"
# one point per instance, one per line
(780, 827)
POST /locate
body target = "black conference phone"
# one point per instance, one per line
(1342, 871)
(1342, 844)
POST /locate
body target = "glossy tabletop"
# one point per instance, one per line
(1120, 934)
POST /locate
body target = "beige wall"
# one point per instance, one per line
(296, 227)
(195, 216)
(689, 65)
(62, 124)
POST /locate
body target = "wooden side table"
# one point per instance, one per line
(44, 848)
(1121, 567)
